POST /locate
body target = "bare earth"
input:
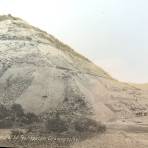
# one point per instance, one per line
(119, 135)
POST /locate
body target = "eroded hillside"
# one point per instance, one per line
(44, 75)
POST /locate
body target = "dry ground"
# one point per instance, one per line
(132, 133)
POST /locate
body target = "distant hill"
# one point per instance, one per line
(141, 86)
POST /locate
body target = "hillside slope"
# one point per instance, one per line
(141, 86)
(43, 75)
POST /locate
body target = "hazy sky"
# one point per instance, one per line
(112, 33)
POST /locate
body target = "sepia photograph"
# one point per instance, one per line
(73, 74)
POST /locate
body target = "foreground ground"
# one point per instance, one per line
(119, 134)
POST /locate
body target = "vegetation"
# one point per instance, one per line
(14, 116)
(89, 125)
(6, 123)
(16, 133)
(59, 123)
(3, 111)
(17, 110)
(66, 123)
(56, 125)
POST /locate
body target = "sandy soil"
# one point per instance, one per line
(119, 135)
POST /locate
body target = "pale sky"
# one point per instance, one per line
(112, 33)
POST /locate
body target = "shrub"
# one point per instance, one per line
(6, 123)
(17, 110)
(4, 112)
(15, 116)
(88, 125)
(16, 133)
(30, 118)
(56, 125)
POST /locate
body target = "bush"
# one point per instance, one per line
(56, 125)
(4, 112)
(6, 123)
(88, 125)
(15, 116)
(30, 118)
(17, 110)
(16, 133)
